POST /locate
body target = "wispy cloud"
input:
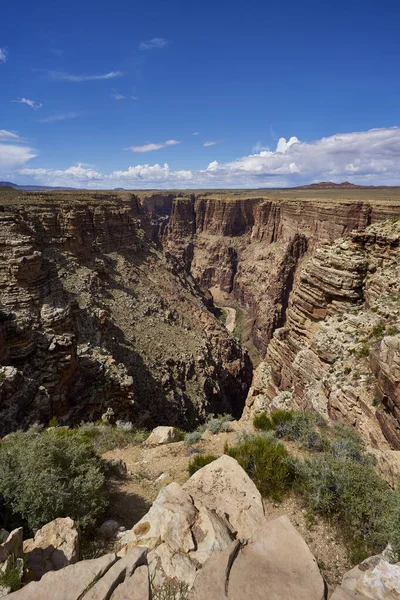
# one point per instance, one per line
(3, 55)
(9, 136)
(31, 103)
(207, 144)
(153, 43)
(57, 51)
(259, 147)
(195, 133)
(118, 97)
(62, 117)
(61, 76)
(149, 147)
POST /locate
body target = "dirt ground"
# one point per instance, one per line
(152, 468)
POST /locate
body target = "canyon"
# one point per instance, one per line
(109, 300)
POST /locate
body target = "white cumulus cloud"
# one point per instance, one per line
(31, 103)
(150, 147)
(366, 157)
(207, 144)
(3, 55)
(153, 43)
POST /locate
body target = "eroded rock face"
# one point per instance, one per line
(338, 350)
(250, 247)
(94, 316)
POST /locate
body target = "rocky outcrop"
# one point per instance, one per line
(163, 435)
(96, 579)
(56, 545)
(338, 350)
(278, 565)
(94, 316)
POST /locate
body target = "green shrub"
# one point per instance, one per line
(296, 426)
(263, 422)
(12, 575)
(267, 463)
(218, 424)
(356, 497)
(200, 461)
(53, 422)
(348, 444)
(51, 474)
(107, 437)
(363, 351)
(193, 437)
(378, 330)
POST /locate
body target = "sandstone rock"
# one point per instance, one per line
(135, 587)
(342, 594)
(69, 583)
(118, 572)
(277, 566)
(163, 435)
(169, 520)
(12, 546)
(166, 563)
(55, 545)
(374, 578)
(224, 486)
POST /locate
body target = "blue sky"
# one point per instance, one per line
(101, 94)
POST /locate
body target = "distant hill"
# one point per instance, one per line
(329, 185)
(33, 188)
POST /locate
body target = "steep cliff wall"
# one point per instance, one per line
(93, 315)
(250, 247)
(338, 351)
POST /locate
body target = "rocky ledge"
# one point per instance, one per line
(208, 539)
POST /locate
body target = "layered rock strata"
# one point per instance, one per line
(93, 316)
(338, 352)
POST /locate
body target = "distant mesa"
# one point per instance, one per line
(329, 185)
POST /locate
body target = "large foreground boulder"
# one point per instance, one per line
(277, 566)
(225, 487)
(97, 579)
(55, 545)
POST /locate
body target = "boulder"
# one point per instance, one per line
(118, 466)
(109, 529)
(117, 574)
(375, 578)
(224, 487)
(136, 587)
(69, 583)
(278, 565)
(163, 435)
(55, 545)
(169, 520)
(342, 594)
(13, 545)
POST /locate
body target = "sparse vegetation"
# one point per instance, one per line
(296, 426)
(49, 474)
(12, 575)
(193, 437)
(378, 330)
(267, 463)
(200, 461)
